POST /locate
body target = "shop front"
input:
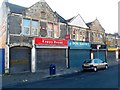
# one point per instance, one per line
(99, 51)
(20, 59)
(112, 53)
(51, 51)
(78, 52)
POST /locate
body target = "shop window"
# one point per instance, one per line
(34, 30)
(26, 27)
(56, 31)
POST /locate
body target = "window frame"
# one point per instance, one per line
(56, 31)
(25, 26)
(35, 28)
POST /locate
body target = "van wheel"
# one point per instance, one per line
(95, 69)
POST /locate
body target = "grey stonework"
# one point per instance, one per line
(20, 41)
(14, 23)
(34, 12)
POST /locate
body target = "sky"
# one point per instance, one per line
(106, 11)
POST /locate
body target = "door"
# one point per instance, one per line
(20, 59)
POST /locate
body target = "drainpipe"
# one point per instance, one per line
(7, 48)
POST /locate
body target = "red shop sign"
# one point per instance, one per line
(67, 37)
(45, 41)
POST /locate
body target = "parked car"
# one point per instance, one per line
(94, 64)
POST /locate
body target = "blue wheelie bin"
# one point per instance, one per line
(52, 69)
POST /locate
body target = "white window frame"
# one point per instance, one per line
(35, 28)
(33, 31)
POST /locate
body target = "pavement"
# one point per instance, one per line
(14, 79)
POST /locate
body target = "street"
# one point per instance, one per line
(100, 79)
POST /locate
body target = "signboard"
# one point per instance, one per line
(82, 45)
(46, 41)
(112, 49)
(67, 37)
(108, 42)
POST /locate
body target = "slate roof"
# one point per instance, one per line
(62, 20)
(15, 8)
(89, 24)
(70, 19)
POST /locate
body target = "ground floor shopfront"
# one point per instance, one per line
(45, 51)
(49, 51)
(20, 59)
(112, 54)
(39, 57)
(99, 51)
(78, 53)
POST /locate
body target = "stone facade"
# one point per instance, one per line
(96, 32)
(20, 25)
(16, 32)
(112, 40)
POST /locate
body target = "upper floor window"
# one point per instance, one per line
(26, 27)
(50, 30)
(43, 29)
(34, 30)
(100, 36)
(73, 34)
(56, 31)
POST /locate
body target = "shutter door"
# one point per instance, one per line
(77, 57)
(20, 58)
(45, 57)
(111, 56)
(100, 54)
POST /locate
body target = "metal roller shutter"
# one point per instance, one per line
(77, 57)
(100, 54)
(20, 59)
(111, 56)
(45, 57)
